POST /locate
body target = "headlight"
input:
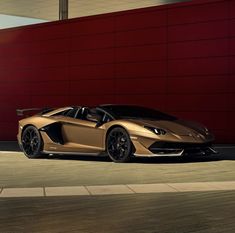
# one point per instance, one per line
(157, 131)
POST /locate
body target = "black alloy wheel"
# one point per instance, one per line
(118, 145)
(32, 142)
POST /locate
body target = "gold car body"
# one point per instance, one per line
(87, 137)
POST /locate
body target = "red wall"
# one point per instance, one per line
(178, 58)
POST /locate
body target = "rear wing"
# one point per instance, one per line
(31, 111)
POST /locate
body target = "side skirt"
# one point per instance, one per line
(73, 153)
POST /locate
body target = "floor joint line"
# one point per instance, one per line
(130, 188)
(86, 187)
(169, 185)
(44, 191)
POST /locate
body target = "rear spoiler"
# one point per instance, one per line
(26, 111)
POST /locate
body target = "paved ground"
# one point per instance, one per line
(95, 190)
(208, 209)
(196, 212)
(18, 171)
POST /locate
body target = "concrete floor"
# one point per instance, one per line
(18, 171)
(178, 212)
(196, 212)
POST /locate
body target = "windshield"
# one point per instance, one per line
(136, 112)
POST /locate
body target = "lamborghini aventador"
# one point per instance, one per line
(119, 131)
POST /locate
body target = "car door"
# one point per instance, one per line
(82, 135)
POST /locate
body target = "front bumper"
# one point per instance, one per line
(178, 149)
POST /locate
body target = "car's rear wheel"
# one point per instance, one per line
(118, 145)
(32, 142)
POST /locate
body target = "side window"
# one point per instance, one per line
(106, 118)
(63, 113)
(82, 113)
(93, 115)
(71, 113)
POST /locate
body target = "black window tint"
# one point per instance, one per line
(71, 112)
(63, 113)
(125, 111)
(106, 118)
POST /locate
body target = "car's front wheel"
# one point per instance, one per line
(32, 142)
(118, 145)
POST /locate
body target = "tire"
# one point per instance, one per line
(32, 143)
(118, 145)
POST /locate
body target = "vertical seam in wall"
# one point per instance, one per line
(115, 59)
(167, 59)
(68, 70)
(229, 62)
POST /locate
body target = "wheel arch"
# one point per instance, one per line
(40, 141)
(116, 126)
(26, 126)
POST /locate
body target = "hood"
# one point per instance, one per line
(179, 127)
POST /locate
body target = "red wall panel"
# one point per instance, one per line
(84, 42)
(198, 13)
(141, 86)
(179, 58)
(50, 31)
(232, 65)
(197, 102)
(232, 9)
(232, 28)
(199, 31)
(141, 37)
(141, 53)
(231, 84)
(91, 25)
(200, 48)
(199, 66)
(12, 102)
(231, 102)
(49, 60)
(49, 88)
(18, 36)
(77, 87)
(198, 85)
(137, 20)
(9, 130)
(88, 57)
(49, 100)
(141, 69)
(47, 46)
(232, 46)
(90, 99)
(49, 74)
(231, 117)
(100, 71)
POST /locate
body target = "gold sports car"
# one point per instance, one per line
(119, 131)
